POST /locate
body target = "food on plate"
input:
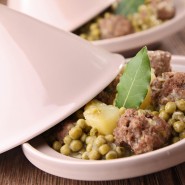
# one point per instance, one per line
(120, 127)
(114, 26)
(101, 116)
(160, 61)
(142, 131)
(168, 87)
(165, 9)
(126, 17)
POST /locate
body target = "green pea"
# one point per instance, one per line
(142, 8)
(113, 146)
(109, 138)
(182, 134)
(93, 26)
(67, 139)
(171, 121)
(103, 149)
(170, 107)
(100, 140)
(144, 26)
(177, 115)
(90, 139)
(90, 38)
(107, 15)
(83, 35)
(65, 150)
(83, 137)
(179, 126)
(85, 156)
(82, 151)
(181, 104)
(162, 107)
(56, 145)
(94, 155)
(111, 155)
(76, 145)
(155, 113)
(93, 132)
(89, 147)
(95, 34)
(120, 151)
(81, 123)
(175, 139)
(75, 132)
(164, 115)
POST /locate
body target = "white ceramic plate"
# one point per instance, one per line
(48, 160)
(148, 37)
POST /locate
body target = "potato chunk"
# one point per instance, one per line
(101, 116)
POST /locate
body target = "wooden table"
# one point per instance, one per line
(15, 169)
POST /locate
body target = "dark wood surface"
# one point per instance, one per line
(15, 169)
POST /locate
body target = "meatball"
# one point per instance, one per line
(169, 87)
(160, 61)
(114, 26)
(141, 131)
(166, 9)
(63, 129)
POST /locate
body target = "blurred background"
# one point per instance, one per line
(122, 27)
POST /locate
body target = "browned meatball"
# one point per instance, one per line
(114, 26)
(160, 61)
(141, 131)
(63, 129)
(169, 87)
(166, 9)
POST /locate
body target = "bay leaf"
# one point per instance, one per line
(135, 81)
(128, 7)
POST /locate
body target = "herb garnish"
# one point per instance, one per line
(128, 7)
(135, 81)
